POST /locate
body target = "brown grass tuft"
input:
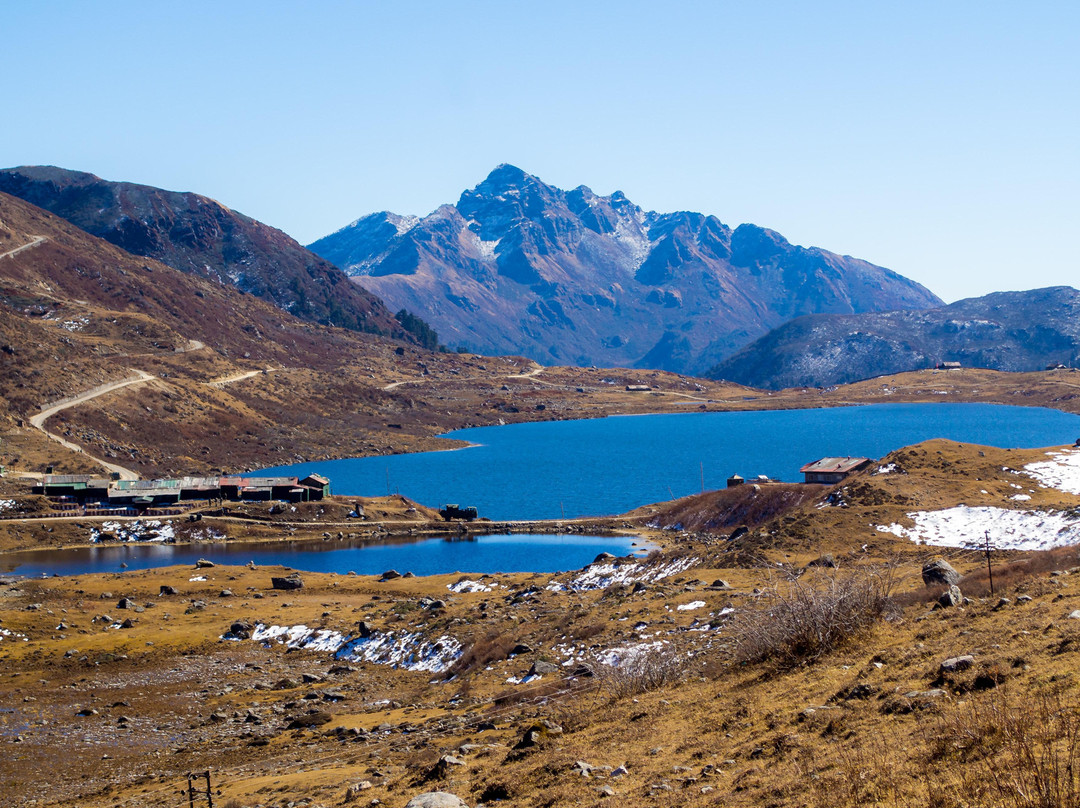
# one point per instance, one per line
(801, 619)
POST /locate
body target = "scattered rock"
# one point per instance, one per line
(826, 560)
(125, 603)
(520, 648)
(1074, 615)
(582, 768)
(537, 732)
(435, 799)
(540, 668)
(225, 593)
(719, 583)
(603, 557)
(441, 770)
(951, 597)
(241, 630)
(390, 575)
(288, 583)
(364, 630)
(352, 793)
(203, 563)
(310, 720)
(940, 573)
(959, 663)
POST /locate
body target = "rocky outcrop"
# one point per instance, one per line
(570, 277)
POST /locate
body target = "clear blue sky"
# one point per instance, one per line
(939, 139)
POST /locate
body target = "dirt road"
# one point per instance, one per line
(237, 377)
(38, 421)
(37, 240)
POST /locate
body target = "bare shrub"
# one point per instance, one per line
(640, 670)
(1023, 752)
(801, 619)
(492, 647)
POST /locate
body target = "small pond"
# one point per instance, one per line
(478, 554)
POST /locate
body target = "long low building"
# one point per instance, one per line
(832, 470)
(146, 493)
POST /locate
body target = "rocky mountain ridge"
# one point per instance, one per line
(519, 266)
(1009, 331)
(196, 234)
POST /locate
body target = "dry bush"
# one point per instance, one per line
(648, 669)
(802, 619)
(492, 647)
(1022, 752)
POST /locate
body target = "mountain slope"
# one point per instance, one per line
(519, 266)
(1012, 331)
(198, 235)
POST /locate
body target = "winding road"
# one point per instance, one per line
(38, 421)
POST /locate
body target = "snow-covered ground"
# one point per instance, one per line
(691, 606)
(966, 526)
(7, 505)
(138, 530)
(1061, 472)
(470, 586)
(406, 650)
(603, 575)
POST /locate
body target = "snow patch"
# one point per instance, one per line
(889, 469)
(603, 575)
(14, 635)
(470, 586)
(1062, 472)
(965, 526)
(152, 531)
(627, 654)
(405, 650)
(7, 505)
(691, 606)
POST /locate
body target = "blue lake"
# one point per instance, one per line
(496, 553)
(553, 469)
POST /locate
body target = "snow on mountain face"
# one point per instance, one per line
(522, 267)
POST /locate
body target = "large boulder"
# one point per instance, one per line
(289, 582)
(939, 572)
(435, 799)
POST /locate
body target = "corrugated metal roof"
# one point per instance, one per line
(835, 464)
(245, 482)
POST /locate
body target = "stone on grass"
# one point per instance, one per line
(951, 597)
(540, 668)
(203, 563)
(289, 582)
(957, 664)
(435, 799)
(939, 573)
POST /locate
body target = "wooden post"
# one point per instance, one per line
(209, 793)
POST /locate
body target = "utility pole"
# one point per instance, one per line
(989, 567)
